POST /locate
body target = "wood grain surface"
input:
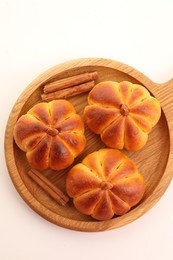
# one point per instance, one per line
(154, 161)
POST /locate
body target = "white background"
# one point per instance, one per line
(36, 35)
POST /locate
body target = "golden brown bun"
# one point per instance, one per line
(51, 134)
(105, 183)
(122, 113)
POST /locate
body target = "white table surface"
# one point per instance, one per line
(36, 35)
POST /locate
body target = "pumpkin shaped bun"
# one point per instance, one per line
(122, 114)
(106, 183)
(51, 134)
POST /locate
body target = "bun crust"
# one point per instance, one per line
(51, 134)
(106, 183)
(122, 114)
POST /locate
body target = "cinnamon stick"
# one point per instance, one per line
(69, 92)
(70, 81)
(47, 186)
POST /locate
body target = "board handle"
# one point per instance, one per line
(164, 93)
(169, 83)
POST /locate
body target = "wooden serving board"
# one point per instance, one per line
(154, 161)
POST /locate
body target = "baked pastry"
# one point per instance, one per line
(122, 114)
(51, 134)
(106, 183)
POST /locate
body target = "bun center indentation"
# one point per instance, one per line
(124, 110)
(52, 131)
(105, 185)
